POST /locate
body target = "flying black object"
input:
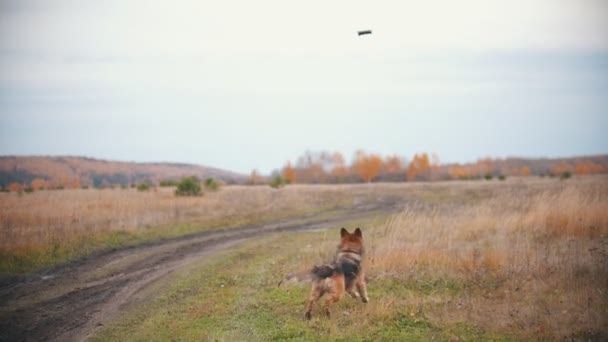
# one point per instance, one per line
(364, 32)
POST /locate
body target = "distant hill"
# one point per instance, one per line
(69, 171)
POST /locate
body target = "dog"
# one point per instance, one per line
(345, 273)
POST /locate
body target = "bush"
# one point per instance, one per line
(488, 176)
(168, 182)
(143, 187)
(212, 184)
(188, 186)
(28, 190)
(565, 175)
(278, 182)
(502, 177)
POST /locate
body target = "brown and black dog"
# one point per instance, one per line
(344, 274)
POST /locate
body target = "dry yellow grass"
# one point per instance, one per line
(531, 258)
(36, 221)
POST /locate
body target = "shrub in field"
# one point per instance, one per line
(565, 175)
(188, 186)
(143, 187)
(212, 184)
(28, 190)
(488, 176)
(278, 182)
(168, 182)
(502, 177)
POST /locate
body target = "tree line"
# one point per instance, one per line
(331, 167)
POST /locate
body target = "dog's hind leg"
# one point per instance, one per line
(332, 298)
(336, 292)
(362, 289)
(315, 294)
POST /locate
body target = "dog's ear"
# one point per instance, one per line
(358, 232)
(343, 232)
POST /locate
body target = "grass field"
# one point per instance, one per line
(524, 259)
(48, 227)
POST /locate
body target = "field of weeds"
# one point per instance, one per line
(46, 227)
(525, 259)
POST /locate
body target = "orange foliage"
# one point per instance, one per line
(39, 184)
(339, 168)
(289, 173)
(310, 167)
(75, 183)
(512, 171)
(367, 166)
(561, 168)
(458, 171)
(485, 166)
(420, 167)
(525, 171)
(65, 182)
(14, 187)
(588, 167)
(392, 164)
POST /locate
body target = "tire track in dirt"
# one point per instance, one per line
(70, 302)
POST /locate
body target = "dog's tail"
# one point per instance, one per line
(317, 272)
(302, 276)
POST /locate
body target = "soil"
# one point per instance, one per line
(72, 301)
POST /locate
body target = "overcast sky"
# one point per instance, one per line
(245, 85)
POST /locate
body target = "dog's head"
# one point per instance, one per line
(351, 242)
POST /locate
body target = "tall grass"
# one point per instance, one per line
(531, 260)
(38, 228)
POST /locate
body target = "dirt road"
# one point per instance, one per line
(70, 302)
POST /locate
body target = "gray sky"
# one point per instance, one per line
(250, 84)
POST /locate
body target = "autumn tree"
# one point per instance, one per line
(485, 166)
(289, 173)
(75, 183)
(39, 184)
(311, 166)
(65, 182)
(392, 164)
(562, 168)
(367, 166)
(588, 167)
(525, 171)
(255, 178)
(339, 169)
(419, 168)
(458, 171)
(14, 187)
